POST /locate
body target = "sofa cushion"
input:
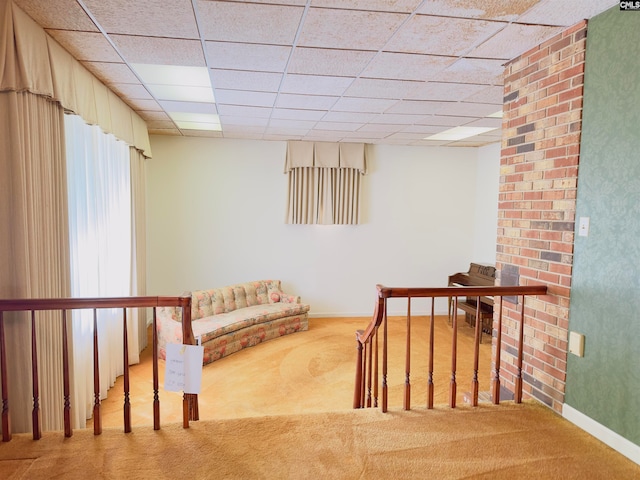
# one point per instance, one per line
(214, 326)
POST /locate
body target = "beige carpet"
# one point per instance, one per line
(295, 395)
(510, 442)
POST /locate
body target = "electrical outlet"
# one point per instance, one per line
(576, 344)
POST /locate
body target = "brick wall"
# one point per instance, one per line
(536, 213)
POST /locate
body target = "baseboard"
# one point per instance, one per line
(602, 433)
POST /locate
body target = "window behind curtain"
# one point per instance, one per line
(99, 192)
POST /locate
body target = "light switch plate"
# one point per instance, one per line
(583, 227)
(576, 344)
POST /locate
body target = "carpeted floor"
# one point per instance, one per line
(282, 410)
(526, 441)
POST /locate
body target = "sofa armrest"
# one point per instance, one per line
(170, 313)
(284, 298)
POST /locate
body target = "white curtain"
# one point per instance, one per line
(324, 182)
(100, 231)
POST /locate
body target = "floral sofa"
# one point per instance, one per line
(228, 319)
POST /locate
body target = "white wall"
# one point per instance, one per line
(487, 189)
(216, 216)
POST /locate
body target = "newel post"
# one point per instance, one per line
(190, 400)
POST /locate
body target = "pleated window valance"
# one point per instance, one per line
(324, 182)
(31, 60)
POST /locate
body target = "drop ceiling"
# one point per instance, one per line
(374, 71)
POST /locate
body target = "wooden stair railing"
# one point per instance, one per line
(63, 305)
(366, 377)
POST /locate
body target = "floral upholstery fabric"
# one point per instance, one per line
(228, 319)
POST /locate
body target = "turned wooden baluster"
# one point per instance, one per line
(518, 384)
(6, 420)
(375, 370)
(407, 369)
(125, 347)
(35, 415)
(384, 359)
(454, 354)
(97, 420)
(357, 390)
(66, 381)
(476, 357)
(496, 369)
(369, 371)
(430, 386)
(156, 398)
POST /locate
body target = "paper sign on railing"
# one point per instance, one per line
(183, 370)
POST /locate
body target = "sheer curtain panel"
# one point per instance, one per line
(324, 182)
(100, 225)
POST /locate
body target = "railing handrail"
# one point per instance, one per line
(441, 292)
(70, 303)
(190, 401)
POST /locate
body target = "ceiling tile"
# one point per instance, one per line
(244, 80)
(402, 6)
(379, 88)
(58, 15)
(406, 66)
(244, 111)
(155, 18)
(128, 90)
(86, 46)
(237, 130)
(348, 29)
(473, 70)
(348, 117)
(364, 104)
(297, 124)
(466, 109)
(514, 40)
(486, 122)
(493, 94)
(381, 128)
(147, 105)
(337, 126)
(112, 72)
(444, 121)
(151, 115)
(243, 120)
(239, 56)
(249, 22)
(245, 97)
(304, 102)
(418, 107)
(324, 61)
(298, 114)
(160, 51)
(189, 107)
(506, 10)
(442, 35)
(397, 119)
(315, 85)
(443, 91)
(549, 12)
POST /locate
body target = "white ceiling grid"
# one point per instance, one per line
(375, 71)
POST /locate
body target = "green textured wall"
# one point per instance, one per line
(605, 293)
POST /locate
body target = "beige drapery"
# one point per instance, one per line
(38, 81)
(33, 61)
(324, 182)
(34, 253)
